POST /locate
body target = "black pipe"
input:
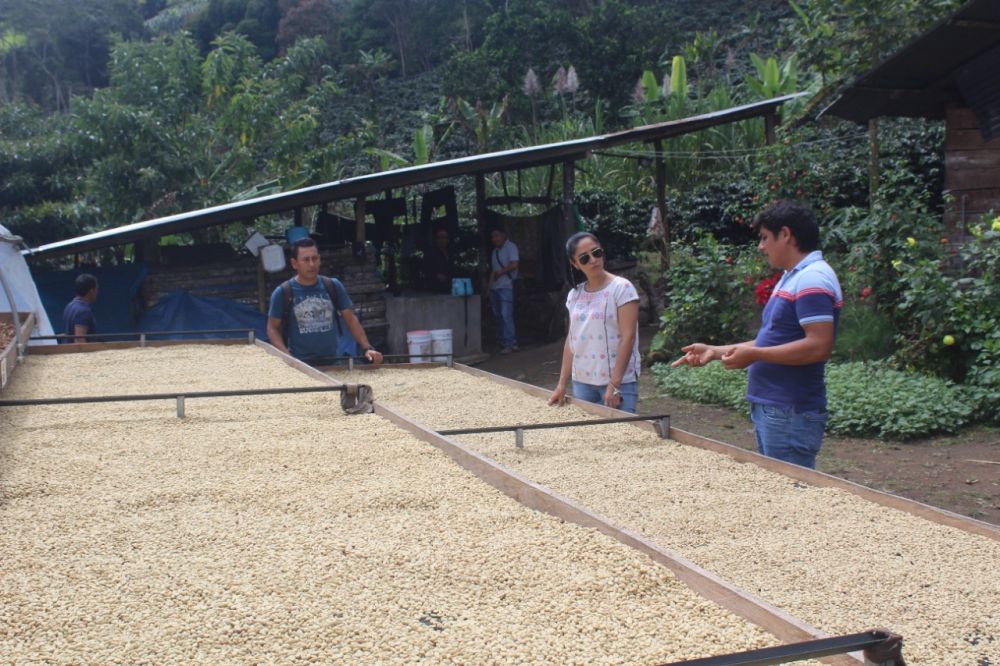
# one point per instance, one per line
(545, 426)
(169, 396)
(330, 360)
(63, 336)
(784, 654)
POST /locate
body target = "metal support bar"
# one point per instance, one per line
(170, 396)
(142, 341)
(784, 654)
(546, 426)
(180, 406)
(142, 336)
(331, 360)
(519, 438)
(251, 336)
(665, 427)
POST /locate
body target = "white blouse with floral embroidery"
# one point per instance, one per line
(595, 334)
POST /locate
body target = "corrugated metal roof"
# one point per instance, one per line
(919, 80)
(351, 188)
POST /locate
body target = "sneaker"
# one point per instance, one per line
(508, 349)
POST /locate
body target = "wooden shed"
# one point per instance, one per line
(952, 73)
(230, 276)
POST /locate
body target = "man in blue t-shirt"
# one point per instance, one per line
(786, 361)
(78, 317)
(313, 329)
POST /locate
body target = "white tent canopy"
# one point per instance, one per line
(15, 278)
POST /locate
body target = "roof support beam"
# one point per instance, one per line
(362, 186)
(661, 204)
(569, 197)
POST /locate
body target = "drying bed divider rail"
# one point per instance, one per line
(180, 397)
(783, 654)
(169, 396)
(249, 332)
(518, 430)
(332, 360)
(557, 424)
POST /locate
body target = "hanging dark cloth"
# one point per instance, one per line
(334, 229)
(385, 212)
(430, 222)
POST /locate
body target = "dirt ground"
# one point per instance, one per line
(960, 473)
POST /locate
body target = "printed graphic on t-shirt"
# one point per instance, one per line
(314, 314)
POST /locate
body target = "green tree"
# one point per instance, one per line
(844, 38)
(608, 43)
(198, 131)
(54, 50)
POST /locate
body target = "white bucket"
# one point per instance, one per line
(419, 344)
(441, 343)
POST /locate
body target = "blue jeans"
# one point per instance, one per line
(788, 435)
(502, 301)
(595, 394)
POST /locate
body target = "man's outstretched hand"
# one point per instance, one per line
(696, 355)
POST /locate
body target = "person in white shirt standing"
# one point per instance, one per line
(601, 354)
(504, 260)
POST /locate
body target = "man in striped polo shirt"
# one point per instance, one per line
(787, 359)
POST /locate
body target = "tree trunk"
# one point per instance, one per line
(873, 148)
(468, 29)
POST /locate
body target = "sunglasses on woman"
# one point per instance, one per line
(584, 258)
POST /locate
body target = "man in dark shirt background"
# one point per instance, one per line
(439, 264)
(78, 317)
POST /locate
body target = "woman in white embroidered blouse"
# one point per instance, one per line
(601, 355)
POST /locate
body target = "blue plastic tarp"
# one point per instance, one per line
(116, 289)
(180, 311)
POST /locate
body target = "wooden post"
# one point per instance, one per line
(262, 302)
(481, 200)
(569, 196)
(770, 127)
(359, 218)
(661, 202)
(873, 168)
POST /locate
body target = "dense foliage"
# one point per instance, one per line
(864, 399)
(113, 111)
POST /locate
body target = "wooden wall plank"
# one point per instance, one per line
(968, 180)
(966, 139)
(961, 118)
(960, 160)
(978, 201)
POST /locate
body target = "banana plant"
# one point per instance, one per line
(482, 124)
(773, 81)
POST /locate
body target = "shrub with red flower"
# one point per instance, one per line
(765, 288)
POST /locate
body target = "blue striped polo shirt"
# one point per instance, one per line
(807, 294)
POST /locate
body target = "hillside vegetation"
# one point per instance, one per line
(113, 111)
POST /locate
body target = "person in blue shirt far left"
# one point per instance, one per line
(78, 317)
